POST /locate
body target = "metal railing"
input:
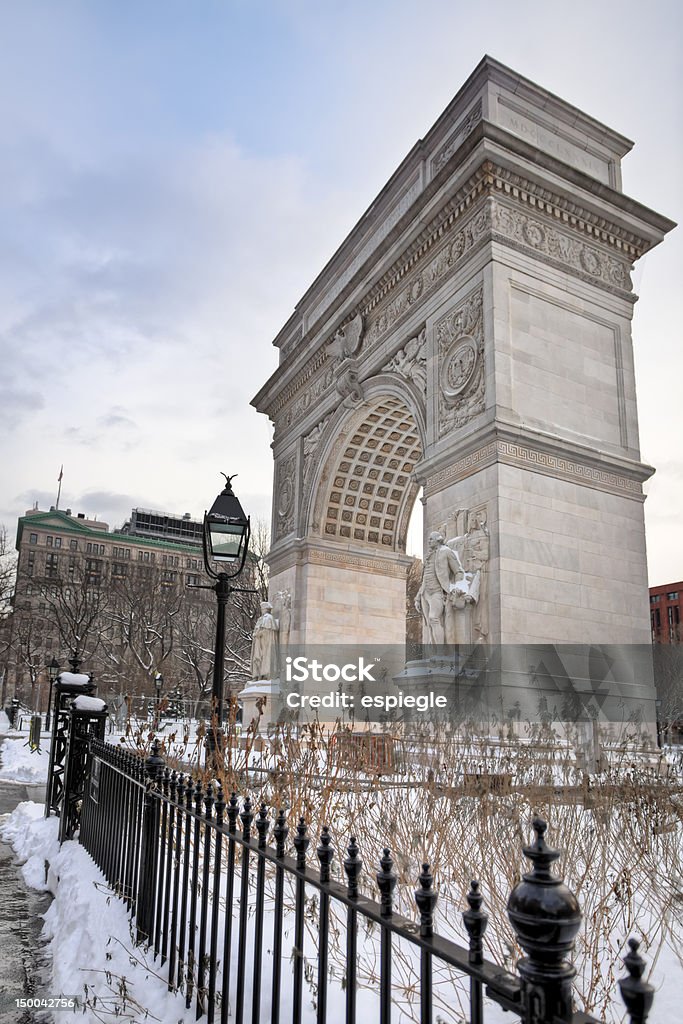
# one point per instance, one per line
(210, 897)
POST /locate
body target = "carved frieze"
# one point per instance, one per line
(542, 236)
(285, 494)
(410, 362)
(422, 281)
(316, 390)
(460, 361)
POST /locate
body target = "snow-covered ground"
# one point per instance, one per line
(18, 763)
(87, 929)
(94, 954)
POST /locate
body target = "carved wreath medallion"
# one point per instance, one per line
(460, 345)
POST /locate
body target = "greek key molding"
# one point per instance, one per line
(514, 453)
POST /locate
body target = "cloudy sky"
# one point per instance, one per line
(173, 175)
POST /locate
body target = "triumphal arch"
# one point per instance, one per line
(472, 337)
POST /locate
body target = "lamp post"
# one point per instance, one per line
(158, 683)
(52, 673)
(226, 541)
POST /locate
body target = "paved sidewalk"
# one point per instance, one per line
(24, 963)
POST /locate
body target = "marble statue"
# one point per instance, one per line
(264, 645)
(453, 596)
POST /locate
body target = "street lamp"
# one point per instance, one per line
(226, 542)
(158, 683)
(52, 673)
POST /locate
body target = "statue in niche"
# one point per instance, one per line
(264, 645)
(453, 596)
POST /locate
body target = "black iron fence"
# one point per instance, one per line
(227, 914)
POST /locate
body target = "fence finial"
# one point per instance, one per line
(301, 844)
(386, 882)
(280, 831)
(426, 898)
(475, 920)
(545, 916)
(262, 826)
(637, 994)
(353, 866)
(325, 854)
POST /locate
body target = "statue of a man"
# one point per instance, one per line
(442, 569)
(264, 653)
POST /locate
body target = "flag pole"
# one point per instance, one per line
(59, 480)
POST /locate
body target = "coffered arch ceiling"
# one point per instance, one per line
(366, 489)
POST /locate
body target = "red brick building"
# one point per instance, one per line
(666, 613)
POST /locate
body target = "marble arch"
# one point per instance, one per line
(472, 335)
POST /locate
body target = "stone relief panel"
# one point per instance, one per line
(460, 364)
(467, 125)
(316, 390)
(410, 362)
(545, 238)
(285, 495)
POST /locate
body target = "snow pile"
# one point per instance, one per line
(74, 678)
(93, 953)
(20, 764)
(4, 723)
(83, 703)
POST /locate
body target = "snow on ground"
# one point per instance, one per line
(21, 764)
(88, 925)
(93, 954)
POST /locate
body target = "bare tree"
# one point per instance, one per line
(74, 608)
(26, 649)
(8, 571)
(139, 634)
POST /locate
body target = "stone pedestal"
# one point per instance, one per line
(263, 692)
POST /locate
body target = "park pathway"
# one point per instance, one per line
(24, 962)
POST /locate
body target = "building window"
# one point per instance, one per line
(58, 542)
(192, 579)
(93, 570)
(193, 563)
(33, 539)
(48, 541)
(30, 562)
(72, 568)
(168, 578)
(654, 598)
(51, 565)
(73, 545)
(118, 570)
(673, 596)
